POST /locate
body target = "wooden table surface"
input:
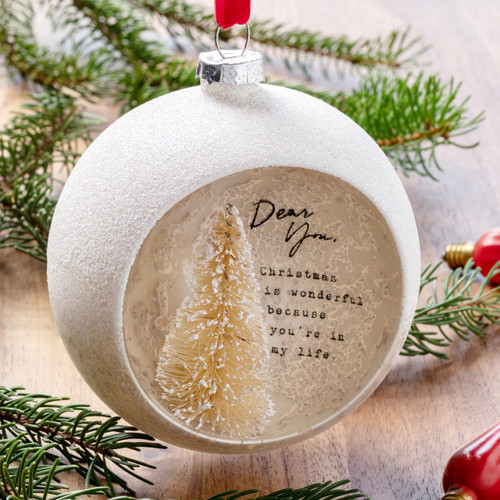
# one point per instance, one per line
(396, 444)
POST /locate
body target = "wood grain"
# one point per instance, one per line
(396, 444)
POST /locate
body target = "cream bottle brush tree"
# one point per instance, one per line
(213, 368)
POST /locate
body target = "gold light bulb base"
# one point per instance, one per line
(458, 492)
(457, 254)
(457, 496)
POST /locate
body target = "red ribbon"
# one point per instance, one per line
(231, 12)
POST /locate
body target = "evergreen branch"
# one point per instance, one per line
(26, 472)
(25, 216)
(127, 33)
(189, 20)
(324, 491)
(37, 433)
(84, 437)
(48, 132)
(145, 83)
(407, 117)
(128, 62)
(151, 71)
(394, 51)
(77, 70)
(460, 310)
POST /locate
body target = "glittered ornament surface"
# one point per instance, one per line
(326, 288)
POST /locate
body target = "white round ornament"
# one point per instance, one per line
(233, 267)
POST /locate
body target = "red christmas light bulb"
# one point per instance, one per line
(486, 253)
(473, 472)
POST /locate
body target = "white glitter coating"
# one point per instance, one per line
(153, 157)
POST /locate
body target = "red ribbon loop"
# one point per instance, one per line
(231, 12)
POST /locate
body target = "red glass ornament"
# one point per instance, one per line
(485, 252)
(231, 12)
(473, 472)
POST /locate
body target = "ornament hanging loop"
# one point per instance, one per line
(230, 66)
(247, 39)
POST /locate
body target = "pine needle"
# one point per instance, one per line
(45, 134)
(321, 491)
(78, 70)
(409, 117)
(36, 428)
(459, 309)
(41, 437)
(27, 472)
(296, 46)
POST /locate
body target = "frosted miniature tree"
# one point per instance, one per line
(213, 367)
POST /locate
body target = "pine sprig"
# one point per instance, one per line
(321, 491)
(182, 18)
(25, 216)
(26, 472)
(78, 70)
(409, 117)
(396, 50)
(40, 438)
(121, 58)
(457, 308)
(143, 68)
(144, 83)
(89, 439)
(47, 133)
(299, 46)
(127, 33)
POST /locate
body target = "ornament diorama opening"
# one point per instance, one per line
(233, 267)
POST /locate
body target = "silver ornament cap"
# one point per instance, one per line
(232, 67)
